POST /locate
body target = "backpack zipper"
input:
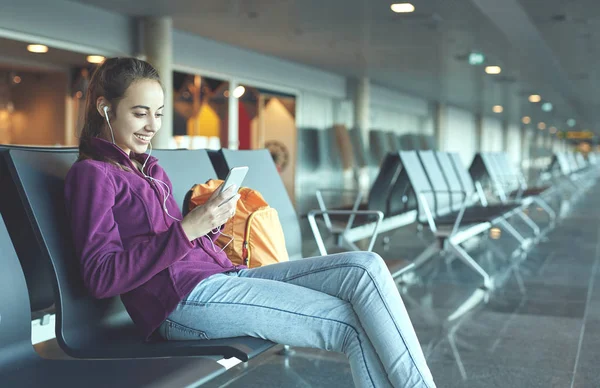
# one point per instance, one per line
(246, 254)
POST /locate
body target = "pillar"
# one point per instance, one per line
(233, 126)
(362, 104)
(157, 46)
(440, 125)
(479, 128)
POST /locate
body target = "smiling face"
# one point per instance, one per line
(138, 116)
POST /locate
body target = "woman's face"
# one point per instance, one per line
(138, 116)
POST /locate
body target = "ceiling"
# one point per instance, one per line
(421, 53)
(571, 29)
(14, 54)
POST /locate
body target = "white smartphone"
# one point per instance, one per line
(235, 177)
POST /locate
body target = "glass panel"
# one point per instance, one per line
(200, 111)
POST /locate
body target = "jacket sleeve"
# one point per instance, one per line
(107, 268)
(210, 235)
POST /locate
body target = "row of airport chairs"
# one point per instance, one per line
(579, 172)
(435, 190)
(337, 162)
(97, 332)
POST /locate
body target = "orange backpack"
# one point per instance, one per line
(257, 234)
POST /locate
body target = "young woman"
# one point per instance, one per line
(132, 241)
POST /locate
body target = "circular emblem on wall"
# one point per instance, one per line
(279, 153)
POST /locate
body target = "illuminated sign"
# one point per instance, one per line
(476, 58)
(580, 135)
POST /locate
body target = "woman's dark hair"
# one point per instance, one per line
(110, 80)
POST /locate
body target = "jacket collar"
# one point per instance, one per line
(110, 150)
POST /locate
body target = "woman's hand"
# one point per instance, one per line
(202, 219)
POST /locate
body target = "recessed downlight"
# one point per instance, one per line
(95, 58)
(493, 69)
(403, 7)
(37, 48)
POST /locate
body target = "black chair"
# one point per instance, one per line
(409, 142)
(510, 182)
(307, 170)
(438, 211)
(427, 142)
(87, 327)
(364, 158)
(331, 159)
(378, 145)
(21, 366)
(470, 186)
(391, 192)
(358, 147)
(451, 203)
(394, 141)
(38, 277)
(263, 176)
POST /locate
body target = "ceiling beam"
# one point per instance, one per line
(510, 18)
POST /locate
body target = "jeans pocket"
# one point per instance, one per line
(178, 332)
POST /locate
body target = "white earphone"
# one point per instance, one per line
(105, 108)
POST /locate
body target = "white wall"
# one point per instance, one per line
(397, 112)
(558, 145)
(315, 111)
(492, 137)
(395, 101)
(459, 133)
(527, 140)
(393, 121)
(514, 143)
(68, 25)
(196, 53)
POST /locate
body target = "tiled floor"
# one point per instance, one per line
(539, 328)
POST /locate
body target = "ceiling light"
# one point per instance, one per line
(541, 126)
(493, 69)
(535, 98)
(239, 91)
(498, 109)
(17, 79)
(547, 107)
(495, 233)
(403, 7)
(95, 58)
(526, 120)
(571, 122)
(37, 48)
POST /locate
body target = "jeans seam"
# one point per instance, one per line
(173, 325)
(195, 303)
(322, 269)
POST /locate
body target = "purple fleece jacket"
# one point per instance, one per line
(127, 245)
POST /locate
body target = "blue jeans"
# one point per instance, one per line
(346, 303)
